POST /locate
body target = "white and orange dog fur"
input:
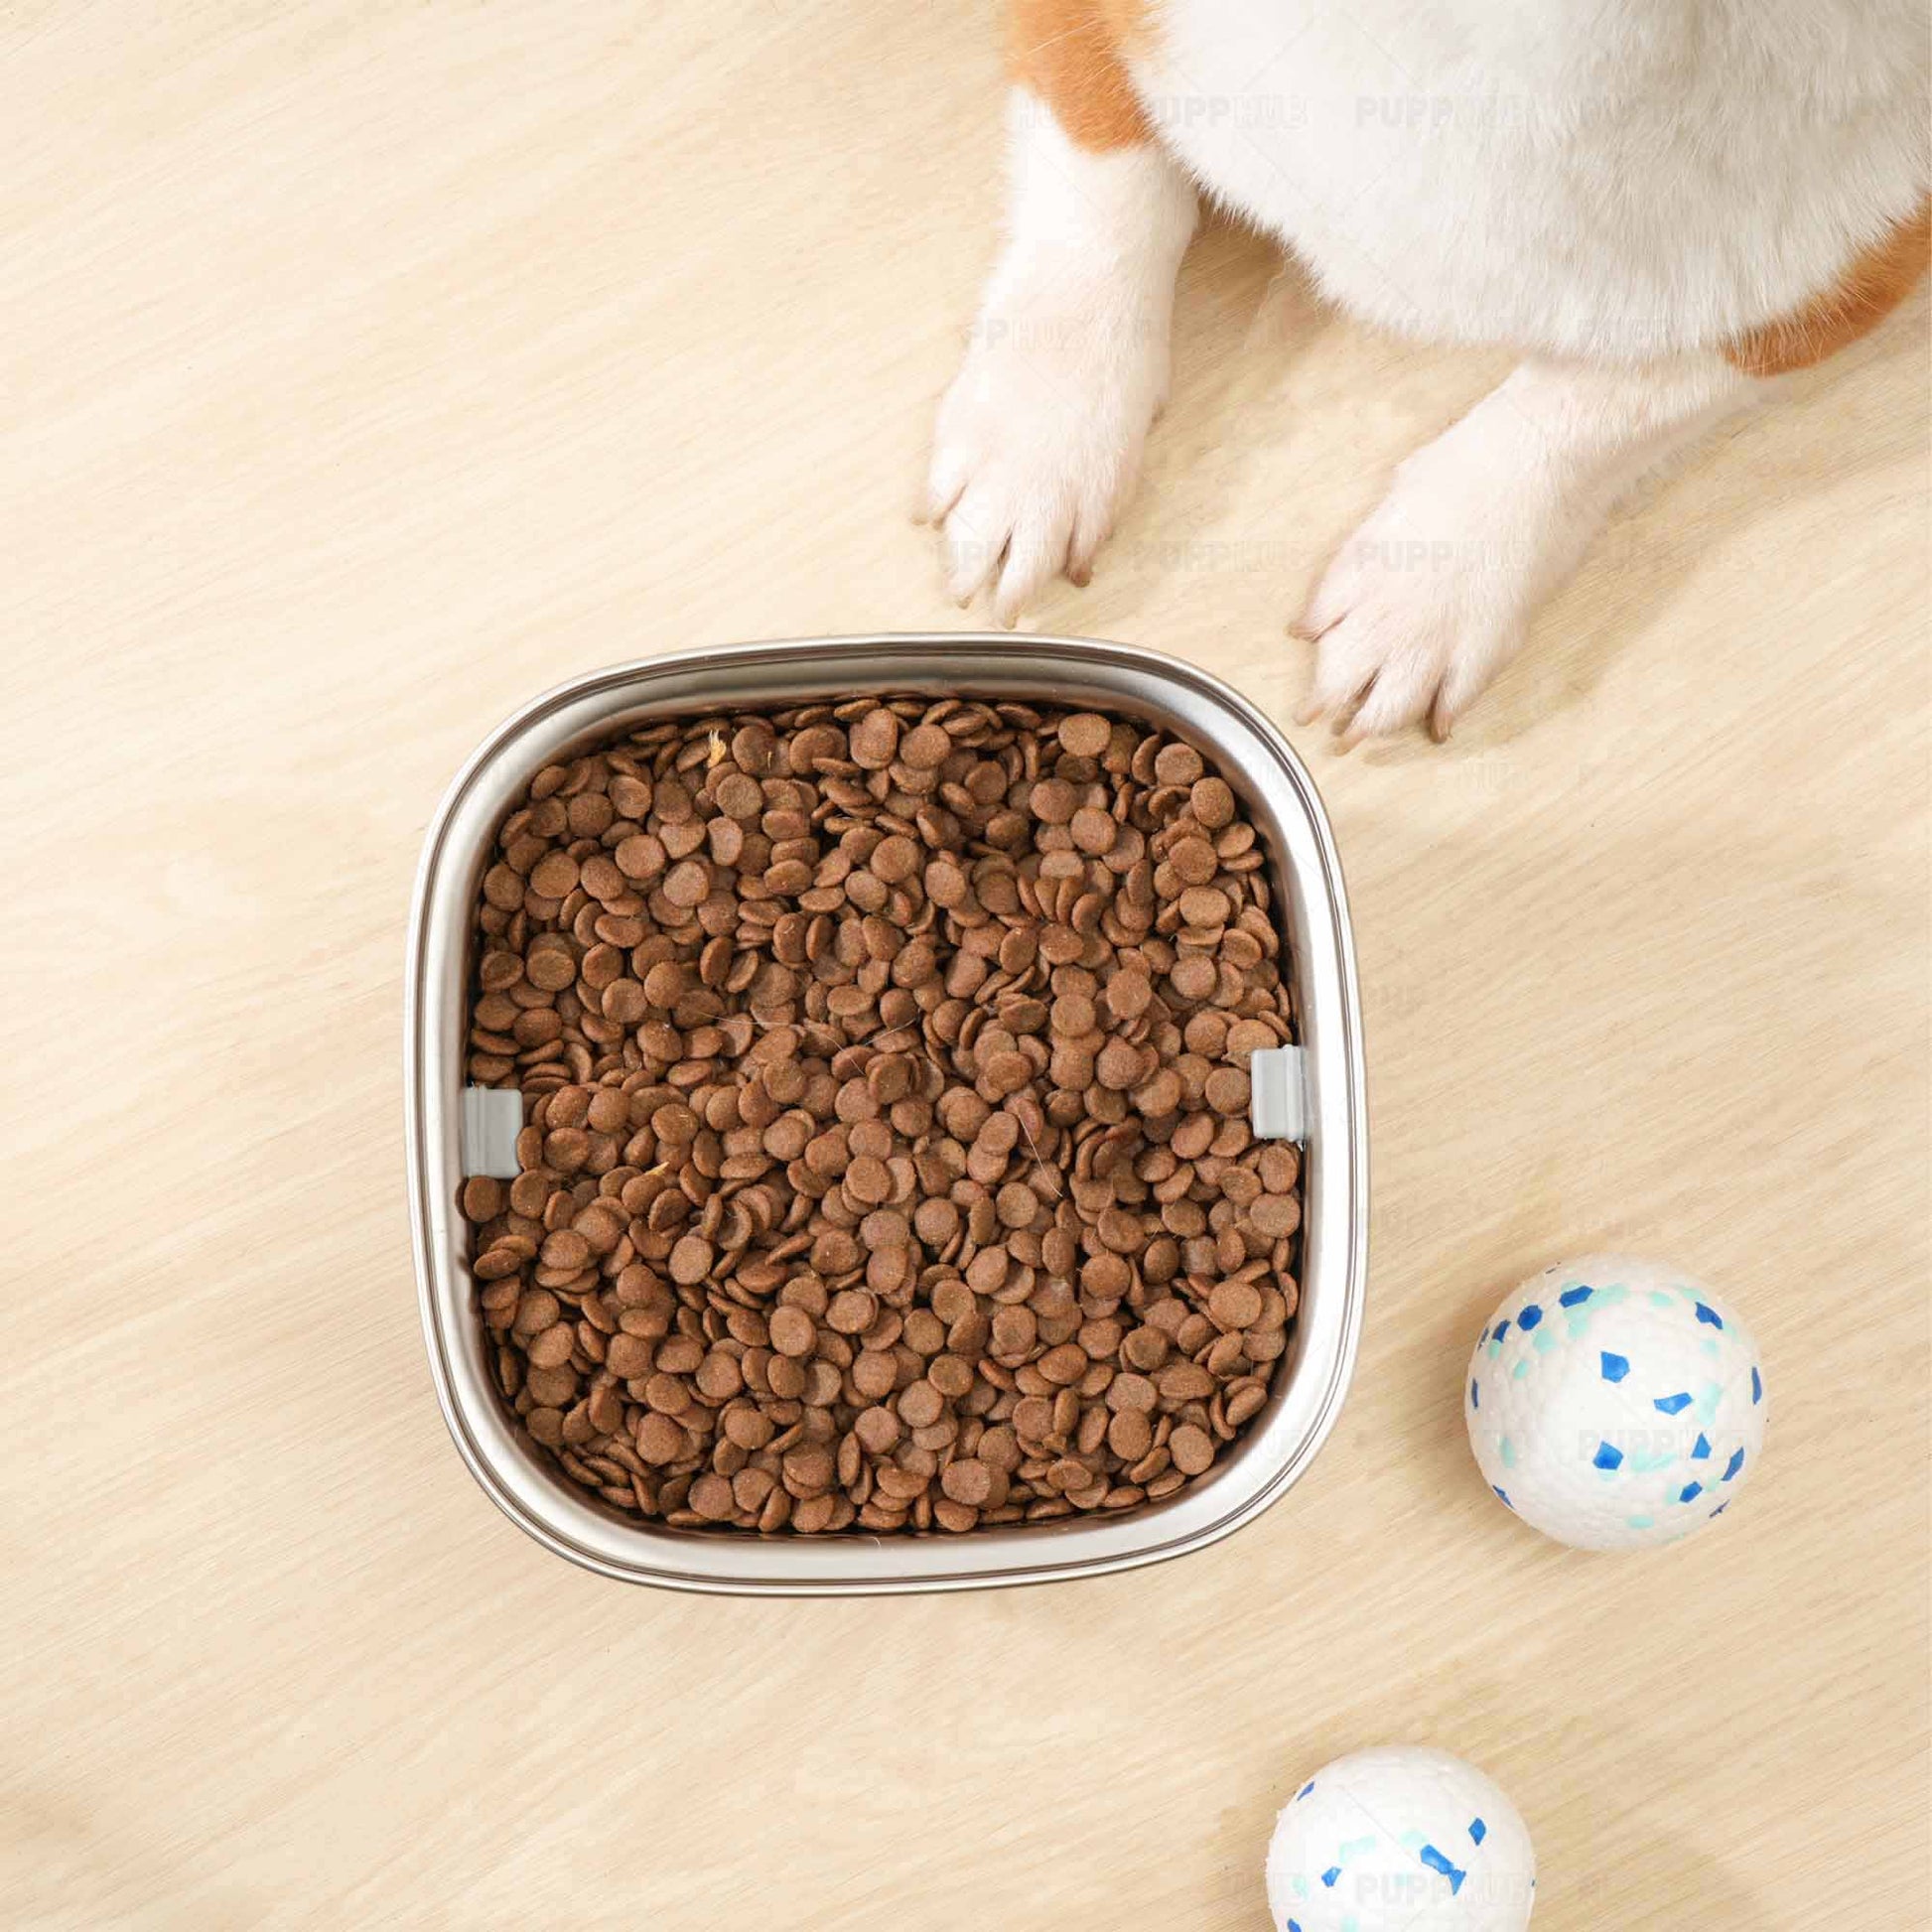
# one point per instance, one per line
(1664, 204)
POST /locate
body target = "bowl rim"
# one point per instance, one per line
(1316, 1378)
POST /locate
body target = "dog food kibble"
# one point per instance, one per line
(886, 1162)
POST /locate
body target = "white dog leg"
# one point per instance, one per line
(1040, 438)
(1434, 590)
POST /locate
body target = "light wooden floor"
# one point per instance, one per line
(368, 365)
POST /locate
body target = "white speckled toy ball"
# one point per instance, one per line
(1615, 1404)
(1400, 1840)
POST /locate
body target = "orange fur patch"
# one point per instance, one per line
(1878, 280)
(1072, 54)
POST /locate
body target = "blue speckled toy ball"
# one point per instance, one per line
(1400, 1839)
(1615, 1404)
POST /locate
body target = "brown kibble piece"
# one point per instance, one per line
(482, 1197)
(551, 969)
(1094, 831)
(552, 1348)
(792, 1332)
(869, 1180)
(1235, 1304)
(1203, 906)
(1017, 1205)
(567, 1249)
(627, 1356)
(1063, 1365)
(935, 1222)
(1275, 1217)
(711, 1496)
(1161, 1095)
(687, 883)
(970, 1481)
(875, 740)
(1214, 802)
(691, 1260)
(1192, 1448)
(1178, 764)
(1130, 1435)
(1128, 995)
(921, 1405)
(878, 1429)
(1194, 977)
(853, 1311)
(1246, 1403)
(639, 857)
(1085, 734)
(808, 1470)
(1013, 1330)
(554, 875)
(926, 748)
(1054, 801)
(1193, 862)
(1227, 1090)
(1184, 1382)
(895, 860)
(1280, 1167)
(719, 1376)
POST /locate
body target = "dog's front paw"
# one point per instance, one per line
(1435, 591)
(1038, 446)
(1408, 628)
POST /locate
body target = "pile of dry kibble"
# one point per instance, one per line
(887, 1159)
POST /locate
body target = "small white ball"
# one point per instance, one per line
(1400, 1839)
(1615, 1404)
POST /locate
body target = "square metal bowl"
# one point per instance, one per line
(1280, 797)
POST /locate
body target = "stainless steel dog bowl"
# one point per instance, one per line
(1277, 791)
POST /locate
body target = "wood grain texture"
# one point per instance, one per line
(370, 365)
